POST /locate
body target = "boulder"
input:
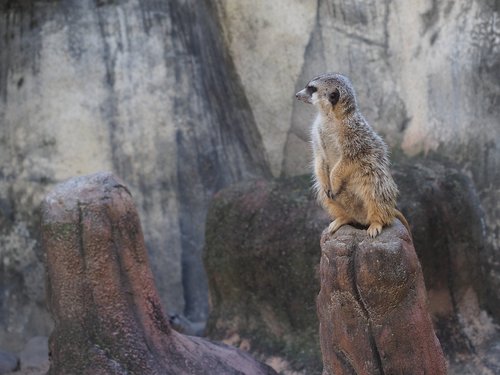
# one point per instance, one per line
(263, 247)
(107, 312)
(372, 307)
(450, 237)
(261, 255)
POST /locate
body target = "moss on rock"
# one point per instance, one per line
(262, 252)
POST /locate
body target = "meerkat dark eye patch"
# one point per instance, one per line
(311, 90)
(334, 97)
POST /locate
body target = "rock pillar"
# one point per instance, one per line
(372, 306)
(107, 313)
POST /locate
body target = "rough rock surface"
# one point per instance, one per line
(450, 237)
(372, 307)
(261, 256)
(107, 312)
(184, 97)
(143, 88)
(248, 222)
(8, 362)
(35, 354)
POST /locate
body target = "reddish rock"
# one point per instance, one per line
(372, 306)
(108, 316)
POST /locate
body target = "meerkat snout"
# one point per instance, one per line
(306, 94)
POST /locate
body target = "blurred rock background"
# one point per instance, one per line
(182, 98)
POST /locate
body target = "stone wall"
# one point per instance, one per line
(142, 88)
(181, 98)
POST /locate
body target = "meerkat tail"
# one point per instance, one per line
(403, 220)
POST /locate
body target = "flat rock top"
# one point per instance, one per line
(61, 204)
(390, 236)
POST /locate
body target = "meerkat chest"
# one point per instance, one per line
(325, 141)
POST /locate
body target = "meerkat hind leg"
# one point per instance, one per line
(375, 214)
(336, 224)
(338, 213)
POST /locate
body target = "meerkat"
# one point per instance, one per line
(351, 164)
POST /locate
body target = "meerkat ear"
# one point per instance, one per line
(334, 97)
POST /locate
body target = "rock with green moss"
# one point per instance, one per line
(262, 253)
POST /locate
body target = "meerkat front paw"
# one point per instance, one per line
(335, 225)
(374, 229)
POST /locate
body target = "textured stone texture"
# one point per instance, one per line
(107, 312)
(183, 97)
(372, 307)
(449, 235)
(35, 354)
(263, 247)
(8, 362)
(143, 88)
(261, 255)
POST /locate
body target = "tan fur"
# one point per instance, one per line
(351, 165)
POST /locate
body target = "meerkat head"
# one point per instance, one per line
(330, 92)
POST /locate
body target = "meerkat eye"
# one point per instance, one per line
(334, 97)
(311, 89)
